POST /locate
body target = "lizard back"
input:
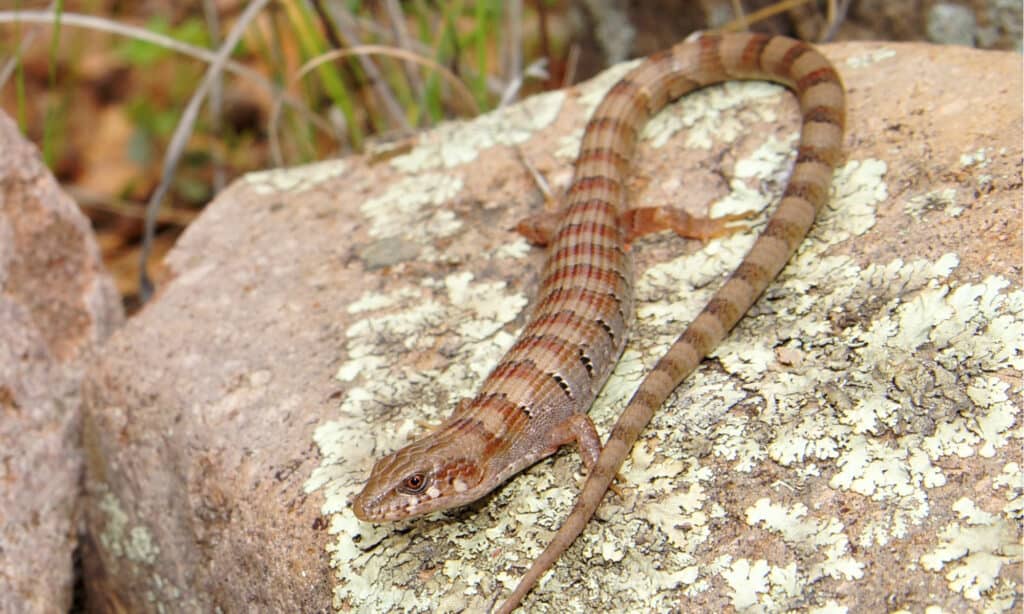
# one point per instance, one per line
(536, 398)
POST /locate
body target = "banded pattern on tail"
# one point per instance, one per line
(538, 396)
(715, 58)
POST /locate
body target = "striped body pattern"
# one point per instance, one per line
(538, 396)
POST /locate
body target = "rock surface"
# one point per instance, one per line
(854, 444)
(56, 304)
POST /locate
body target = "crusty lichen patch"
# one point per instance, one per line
(972, 552)
(868, 383)
(295, 179)
(456, 143)
(136, 544)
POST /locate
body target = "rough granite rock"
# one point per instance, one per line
(855, 444)
(56, 304)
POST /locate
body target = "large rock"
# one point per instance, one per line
(855, 442)
(56, 304)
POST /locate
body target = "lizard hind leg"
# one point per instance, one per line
(642, 221)
(579, 428)
(539, 228)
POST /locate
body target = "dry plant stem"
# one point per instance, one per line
(745, 22)
(100, 24)
(740, 15)
(401, 35)
(216, 97)
(25, 43)
(129, 209)
(513, 47)
(275, 112)
(342, 20)
(182, 132)
(836, 17)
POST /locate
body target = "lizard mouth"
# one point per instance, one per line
(372, 509)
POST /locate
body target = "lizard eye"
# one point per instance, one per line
(414, 484)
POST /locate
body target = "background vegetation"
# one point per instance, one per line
(163, 103)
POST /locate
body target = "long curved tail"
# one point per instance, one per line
(667, 75)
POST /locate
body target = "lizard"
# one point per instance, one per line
(537, 398)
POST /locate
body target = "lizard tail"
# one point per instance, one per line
(710, 59)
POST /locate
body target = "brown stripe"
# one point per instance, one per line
(566, 318)
(811, 191)
(466, 469)
(752, 273)
(609, 123)
(524, 370)
(563, 349)
(581, 207)
(824, 114)
(671, 365)
(784, 230)
(581, 330)
(821, 75)
(723, 309)
(807, 153)
(570, 275)
(646, 397)
(611, 253)
(624, 87)
(602, 154)
(697, 338)
(635, 95)
(792, 54)
(509, 412)
(710, 54)
(472, 426)
(596, 183)
(610, 232)
(750, 59)
(660, 57)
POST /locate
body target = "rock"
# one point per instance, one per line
(854, 443)
(57, 304)
(951, 24)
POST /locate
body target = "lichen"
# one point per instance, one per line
(295, 179)
(893, 372)
(455, 143)
(973, 552)
(135, 543)
(872, 57)
(417, 320)
(410, 209)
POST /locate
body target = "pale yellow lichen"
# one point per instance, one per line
(417, 319)
(137, 544)
(972, 553)
(132, 542)
(410, 209)
(979, 157)
(747, 580)
(454, 143)
(938, 200)
(850, 415)
(872, 57)
(822, 544)
(294, 179)
(1013, 481)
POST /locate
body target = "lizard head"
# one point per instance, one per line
(434, 473)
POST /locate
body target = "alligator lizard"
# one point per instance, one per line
(537, 398)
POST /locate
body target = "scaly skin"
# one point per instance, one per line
(536, 399)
